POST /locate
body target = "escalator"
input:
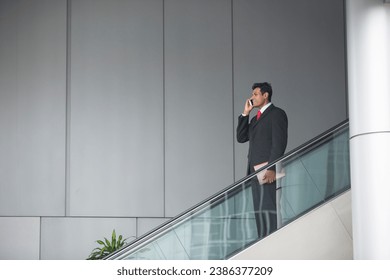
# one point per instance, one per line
(224, 225)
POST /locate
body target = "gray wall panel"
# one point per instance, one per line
(145, 225)
(198, 101)
(75, 238)
(116, 164)
(299, 47)
(19, 238)
(32, 107)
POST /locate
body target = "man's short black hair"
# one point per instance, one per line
(264, 87)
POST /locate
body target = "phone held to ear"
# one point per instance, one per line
(251, 102)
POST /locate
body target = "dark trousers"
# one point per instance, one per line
(264, 204)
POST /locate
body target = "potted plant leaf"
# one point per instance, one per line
(107, 247)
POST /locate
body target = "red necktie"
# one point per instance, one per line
(258, 115)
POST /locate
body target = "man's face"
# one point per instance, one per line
(259, 99)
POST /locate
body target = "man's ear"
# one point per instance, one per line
(266, 94)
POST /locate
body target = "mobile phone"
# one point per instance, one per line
(251, 102)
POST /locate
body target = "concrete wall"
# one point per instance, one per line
(121, 114)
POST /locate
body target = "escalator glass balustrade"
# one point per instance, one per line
(225, 224)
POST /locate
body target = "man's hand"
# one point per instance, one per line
(248, 107)
(269, 176)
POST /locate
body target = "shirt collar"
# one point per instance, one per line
(262, 109)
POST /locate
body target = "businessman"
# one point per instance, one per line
(267, 136)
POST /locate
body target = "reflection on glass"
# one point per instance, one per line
(226, 223)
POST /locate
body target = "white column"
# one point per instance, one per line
(368, 45)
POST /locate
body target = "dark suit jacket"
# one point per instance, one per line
(267, 137)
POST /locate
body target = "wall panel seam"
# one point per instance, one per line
(67, 107)
(233, 113)
(164, 117)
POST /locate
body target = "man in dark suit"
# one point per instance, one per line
(267, 136)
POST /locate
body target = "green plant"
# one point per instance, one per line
(107, 247)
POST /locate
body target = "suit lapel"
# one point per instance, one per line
(263, 115)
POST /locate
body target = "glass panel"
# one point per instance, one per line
(298, 191)
(314, 176)
(247, 212)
